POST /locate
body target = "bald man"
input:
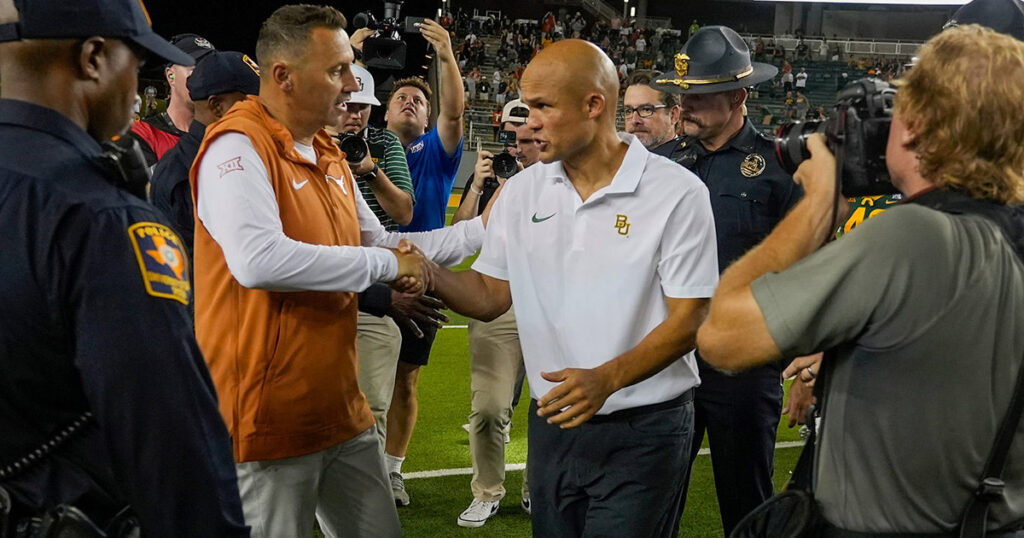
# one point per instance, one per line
(608, 252)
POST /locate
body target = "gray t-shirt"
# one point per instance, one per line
(925, 311)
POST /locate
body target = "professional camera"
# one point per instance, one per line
(857, 132)
(385, 49)
(505, 165)
(353, 145)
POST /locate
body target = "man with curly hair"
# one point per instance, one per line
(920, 310)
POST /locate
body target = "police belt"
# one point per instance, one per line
(626, 414)
(831, 531)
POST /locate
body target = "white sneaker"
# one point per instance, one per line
(478, 513)
(525, 503)
(398, 489)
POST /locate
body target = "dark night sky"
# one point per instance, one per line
(234, 24)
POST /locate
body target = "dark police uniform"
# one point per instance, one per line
(93, 295)
(170, 191)
(750, 193)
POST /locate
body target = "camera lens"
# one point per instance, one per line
(354, 147)
(505, 165)
(791, 144)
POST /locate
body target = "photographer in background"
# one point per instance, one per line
(383, 179)
(920, 311)
(496, 358)
(433, 156)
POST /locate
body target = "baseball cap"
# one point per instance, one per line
(194, 45)
(224, 72)
(63, 19)
(515, 111)
(365, 94)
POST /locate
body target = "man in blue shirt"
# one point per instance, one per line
(433, 158)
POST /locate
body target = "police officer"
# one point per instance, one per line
(220, 80)
(750, 193)
(106, 404)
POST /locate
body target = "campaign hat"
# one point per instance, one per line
(224, 72)
(715, 59)
(65, 19)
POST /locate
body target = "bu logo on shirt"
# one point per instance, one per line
(622, 224)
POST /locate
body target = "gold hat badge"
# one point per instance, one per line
(682, 64)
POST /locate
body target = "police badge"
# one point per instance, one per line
(752, 166)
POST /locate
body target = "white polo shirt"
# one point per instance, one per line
(589, 279)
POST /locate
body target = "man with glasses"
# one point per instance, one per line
(650, 115)
(750, 193)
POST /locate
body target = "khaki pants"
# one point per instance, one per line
(346, 487)
(496, 361)
(378, 342)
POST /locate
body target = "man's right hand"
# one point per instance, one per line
(484, 168)
(415, 270)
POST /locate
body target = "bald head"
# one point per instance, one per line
(575, 68)
(572, 89)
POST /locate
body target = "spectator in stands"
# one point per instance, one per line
(801, 80)
(694, 27)
(472, 79)
(759, 49)
(802, 106)
(790, 108)
(823, 50)
(433, 156)
(787, 80)
(802, 51)
(649, 114)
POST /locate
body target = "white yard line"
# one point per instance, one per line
(521, 466)
(455, 327)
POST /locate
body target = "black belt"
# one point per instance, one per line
(625, 414)
(830, 531)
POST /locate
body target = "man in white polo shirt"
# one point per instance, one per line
(609, 254)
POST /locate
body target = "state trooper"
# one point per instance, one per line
(750, 193)
(108, 413)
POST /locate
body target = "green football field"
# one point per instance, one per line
(437, 466)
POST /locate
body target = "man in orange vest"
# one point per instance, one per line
(278, 254)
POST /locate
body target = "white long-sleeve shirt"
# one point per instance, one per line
(241, 213)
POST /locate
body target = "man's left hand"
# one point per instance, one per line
(411, 310)
(437, 36)
(579, 395)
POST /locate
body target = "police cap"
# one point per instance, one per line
(64, 19)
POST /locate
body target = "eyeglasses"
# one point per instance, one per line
(645, 111)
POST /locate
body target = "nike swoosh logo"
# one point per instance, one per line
(296, 185)
(535, 219)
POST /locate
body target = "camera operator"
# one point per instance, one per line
(496, 357)
(383, 179)
(750, 193)
(105, 402)
(919, 310)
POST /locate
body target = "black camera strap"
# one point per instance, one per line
(991, 486)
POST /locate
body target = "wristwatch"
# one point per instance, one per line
(369, 176)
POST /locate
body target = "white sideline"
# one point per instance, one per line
(455, 327)
(521, 466)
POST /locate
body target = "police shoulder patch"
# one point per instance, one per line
(162, 261)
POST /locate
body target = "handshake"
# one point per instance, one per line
(417, 274)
